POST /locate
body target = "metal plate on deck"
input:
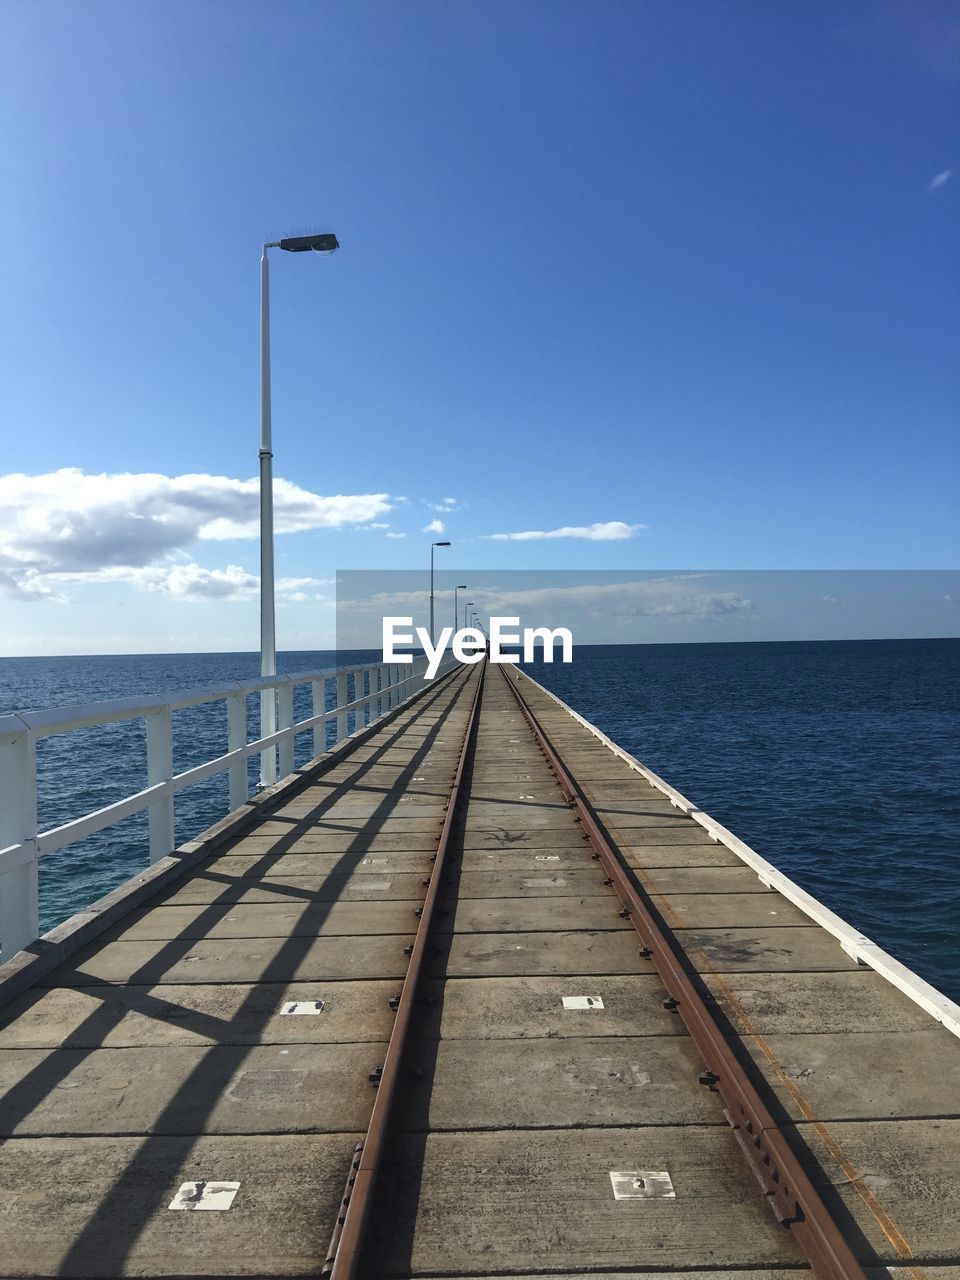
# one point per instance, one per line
(582, 1002)
(642, 1184)
(205, 1195)
(299, 1008)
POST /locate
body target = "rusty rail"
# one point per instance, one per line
(347, 1241)
(790, 1192)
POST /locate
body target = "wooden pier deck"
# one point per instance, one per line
(160, 1054)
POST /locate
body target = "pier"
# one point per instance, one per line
(473, 993)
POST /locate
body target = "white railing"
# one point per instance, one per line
(377, 689)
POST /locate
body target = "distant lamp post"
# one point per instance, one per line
(468, 605)
(323, 243)
(456, 611)
(432, 545)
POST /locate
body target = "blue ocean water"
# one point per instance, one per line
(838, 761)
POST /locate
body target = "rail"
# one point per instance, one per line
(376, 688)
(352, 1228)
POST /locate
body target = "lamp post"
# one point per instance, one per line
(456, 612)
(468, 605)
(325, 243)
(432, 545)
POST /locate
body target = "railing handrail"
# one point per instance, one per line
(22, 845)
(79, 715)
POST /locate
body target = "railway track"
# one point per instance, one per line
(518, 821)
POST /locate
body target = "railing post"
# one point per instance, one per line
(236, 740)
(19, 912)
(341, 702)
(160, 769)
(319, 688)
(268, 726)
(360, 692)
(285, 717)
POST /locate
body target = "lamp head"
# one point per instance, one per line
(325, 242)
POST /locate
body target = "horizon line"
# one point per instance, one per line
(592, 644)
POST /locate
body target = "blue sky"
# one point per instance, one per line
(679, 274)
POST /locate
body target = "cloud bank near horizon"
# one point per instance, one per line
(684, 597)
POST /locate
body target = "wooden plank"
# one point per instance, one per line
(130, 1016)
(212, 1089)
(87, 1207)
(246, 960)
(540, 1200)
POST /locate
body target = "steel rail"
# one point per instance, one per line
(792, 1196)
(347, 1241)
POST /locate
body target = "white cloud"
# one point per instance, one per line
(606, 531)
(949, 599)
(70, 526)
(940, 180)
(300, 584)
(192, 581)
(445, 504)
(27, 584)
(435, 526)
(377, 524)
(834, 600)
(188, 581)
(396, 535)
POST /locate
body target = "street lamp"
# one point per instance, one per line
(325, 243)
(432, 545)
(468, 605)
(456, 614)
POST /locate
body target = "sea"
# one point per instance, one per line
(838, 761)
